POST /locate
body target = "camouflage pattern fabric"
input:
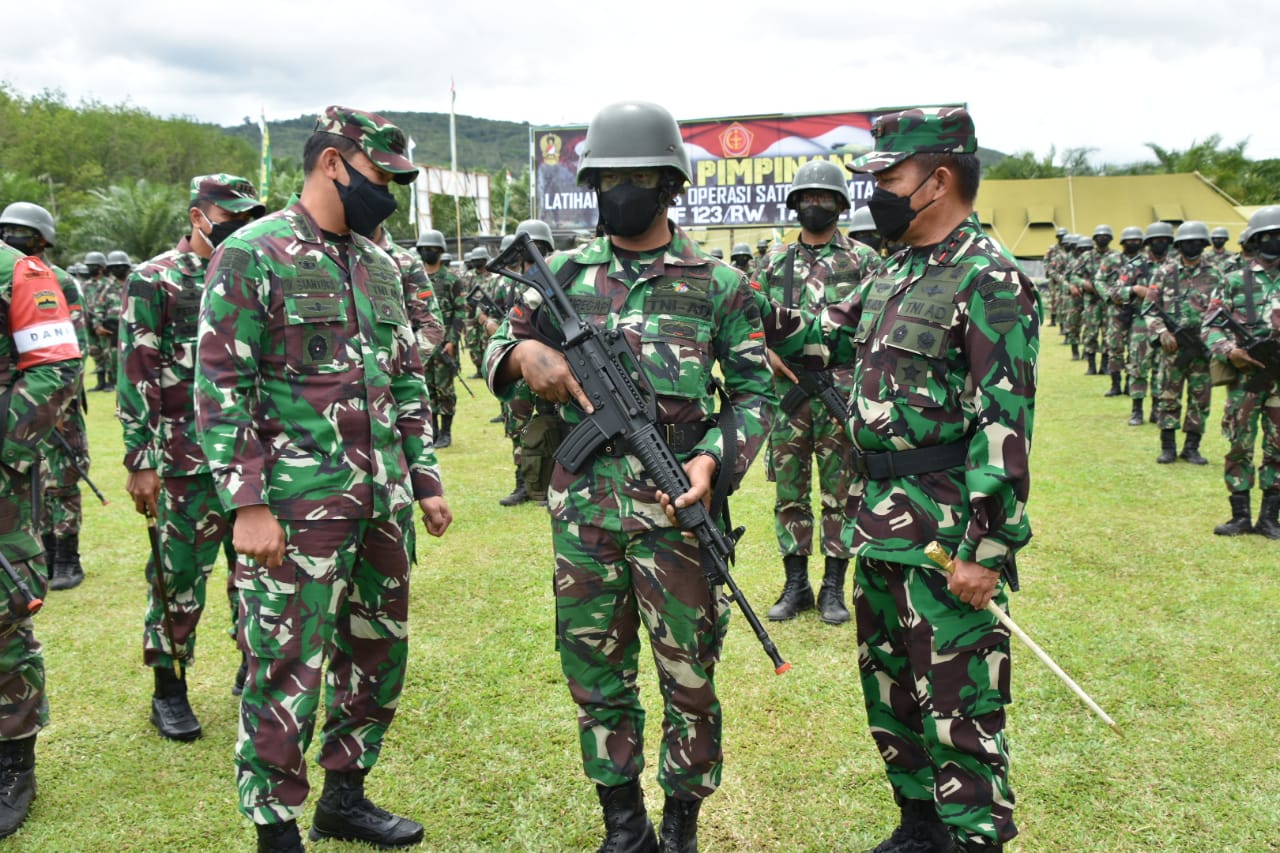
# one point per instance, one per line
(476, 337)
(62, 509)
(1071, 277)
(38, 393)
(1053, 260)
(450, 299)
(106, 311)
(310, 400)
(155, 404)
(821, 276)
(1183, 291)
(1226, 262)
(1245, 410)
(89, 290)
(1094, 305)
(419, 297)
(1143, 364)
(619, 563)
(1121, 308)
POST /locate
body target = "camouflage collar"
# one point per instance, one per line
(682, 251)
(957, 243)
(838, 241)
(186, 260)
(306, 230)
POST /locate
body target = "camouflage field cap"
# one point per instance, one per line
(232, 193)
(385, 143)
(921, 130)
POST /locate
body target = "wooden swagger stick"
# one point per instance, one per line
(938, 554)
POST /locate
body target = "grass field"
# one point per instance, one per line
(1174, 631)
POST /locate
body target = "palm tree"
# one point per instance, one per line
(142, 218)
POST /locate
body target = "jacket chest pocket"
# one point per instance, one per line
(313, 331)
(388, 301)
(676, 354)
(186, 314)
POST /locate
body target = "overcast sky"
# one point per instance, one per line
(1035, 73)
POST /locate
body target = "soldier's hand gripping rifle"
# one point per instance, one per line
(454, 368)
(811, 384)
(77, 462)
(1264, 350)
(481, 301)
(1190, 347)
(625, 409)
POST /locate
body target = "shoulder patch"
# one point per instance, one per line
(233, 260)
(1001, 301)
(141, 288)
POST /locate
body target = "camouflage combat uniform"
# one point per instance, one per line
(1094, 305)
(62, 510)
(156, 409)
(451, 301)
(1053, 258)
(476, 337)
(820, 277)
(1183, 290)
(943, 345)
(419, 297)
(89, 291)
(38, 380)
(620, 565)
(1121, 305)
(106, 313)
(310, 400)
(1144, 361)
(1075, 271)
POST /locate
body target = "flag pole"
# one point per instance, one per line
(453, 165)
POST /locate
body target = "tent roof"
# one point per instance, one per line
(1024, 215)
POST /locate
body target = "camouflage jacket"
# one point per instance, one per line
(1107, 280)
(820, 277)
(1257, 308)
(158, 364)
(944, 343)
(452, 302)
(1225, 261)
(35, 395)
(309, 388)
(106, 308)
(89, 291)
(1085, 271)
(1182, 291)
(419, 297)
(1054, 259)
(683, 314)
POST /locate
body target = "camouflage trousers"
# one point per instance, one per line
(193, 532)
(1144, 362)
(24, 708)
(475, 339)
(1093, 312)
(935, 678)
(440, 387)
(1116, 345)
(340, 597)
(607, 585)
(1240, 418)
(1053, 291)
(796, 440)
(62, 510)
(109, 357)
(1075, 317)
(1199, 392)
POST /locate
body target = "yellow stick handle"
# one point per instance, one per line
(938, 554)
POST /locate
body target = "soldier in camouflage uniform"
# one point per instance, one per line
(1252, 296)
(451, 300)
(1121, 304)
(821, 268)
(762, 258)
(1094, 306)
(1072, 294)
(1052, 263)
(96, 263)
(621, 563)
(29, 228)
(1144, 361)
(313, 413)
(740, 257)
(169, 478)
(1182, 287)
(475, 332)
(1219, 256)
(39, 373)
(106, 313)
(943, 346)
(419, 296)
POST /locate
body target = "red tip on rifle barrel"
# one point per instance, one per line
(34, 605)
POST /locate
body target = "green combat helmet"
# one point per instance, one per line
(1131, 232)
(717, 253)
(118, 258)
(740, 250)
(383, 142)
(761, 245)
(1060, 233)
(507, 240)
(1263, 220)
(1219, 233)
(431, 239)
(28, 215)
(632, 135)
(95, 259)
(539, 232)
(1103, 231)
(1158, 229)
(862, 222)
(1191, 230)
(819, 175)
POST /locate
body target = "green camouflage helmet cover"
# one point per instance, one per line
(537, 230)
(1159, 229)
(1104, 229)
(1192, 230)
(1220, 233)
(921, 130)
(633, 135)
(1130, 232)
(740, 249)
(232, 193)
(118, 258)
(95, 259)
(862, 221)
(32, 216)
(432, 237)
(1265, 219)
(819, 175)
(383, 142)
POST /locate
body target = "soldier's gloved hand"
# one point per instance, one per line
(435, 515)
(701, 471)
(972, 583)
(144, 487)
(258, 535)
(1168, 342)
(548, 374)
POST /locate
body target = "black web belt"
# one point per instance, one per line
(906, 463)
(681, 438)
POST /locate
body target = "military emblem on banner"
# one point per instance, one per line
(550, 149)
(736, 140)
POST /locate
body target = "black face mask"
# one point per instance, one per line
(1219, 242)
(1131, 247)
(1159, 247)
(742, 263)
(1102, 243)
(628, 210)
(1268, 246)
(430, 255)
(222, 230)
(892, 213)
(816, 219)
(365, 204)
(24, 243)
(1191, 249)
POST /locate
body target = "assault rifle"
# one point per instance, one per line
(625, 411)
(1265, 350)
(478, 299)
(1190, 347)
(77, 462)
(452, 363)
(811, 384)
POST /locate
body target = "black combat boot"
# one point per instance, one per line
(102, 380)
(974, 845)
(444, 438)
(1168, 446)
(797, 595)
(171, 713)
(1136, 419)
(1238, 523)
(343, 812)
(237, 687)
(1115, 386)
(626, 826)
(679, 830)
(279, 838)
(1104, 366)
(1075, 352)
(831, 594)
(17, 782)
(920, 831)
(1191, 450)
(50, 543)
(1090, 360)
(66, 573)
(1268, 523)
(1155, 411)
(518, 495)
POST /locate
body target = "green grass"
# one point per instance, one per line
(1169, 628)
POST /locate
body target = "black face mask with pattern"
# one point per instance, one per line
(628, 210)
(1268, 245)
(893, 213)
(366, 204)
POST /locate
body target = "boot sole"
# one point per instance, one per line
(320, 835)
